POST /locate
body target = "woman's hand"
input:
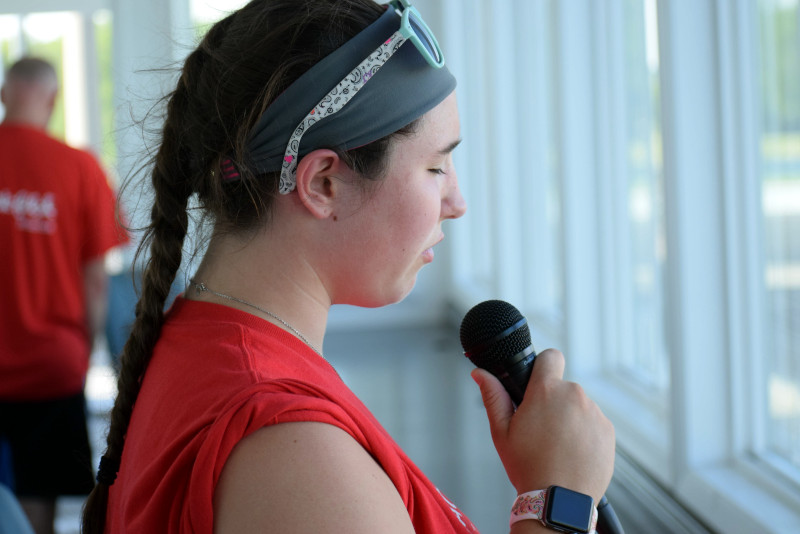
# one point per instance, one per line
(557, 436)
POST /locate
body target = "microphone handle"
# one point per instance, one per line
(515, 372)
(607, 520)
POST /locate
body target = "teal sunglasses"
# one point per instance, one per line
(413, 29)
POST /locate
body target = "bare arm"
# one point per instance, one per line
(95, 288)
(306, 478)
(312, 477)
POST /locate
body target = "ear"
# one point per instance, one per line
(318, 183)
(51, 102)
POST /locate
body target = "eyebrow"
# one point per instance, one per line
(449, 148)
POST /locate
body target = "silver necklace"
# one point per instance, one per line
(200, 287)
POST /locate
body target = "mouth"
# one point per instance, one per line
(428, 254)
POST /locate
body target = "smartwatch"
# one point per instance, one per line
(558, 509)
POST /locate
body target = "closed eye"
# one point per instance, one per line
(436, 171)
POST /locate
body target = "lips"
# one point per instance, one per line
(428, 254)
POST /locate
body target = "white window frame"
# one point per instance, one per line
(715, 477)
(699, 444)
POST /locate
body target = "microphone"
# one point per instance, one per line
(495, 336)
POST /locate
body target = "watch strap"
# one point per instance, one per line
(530, 505)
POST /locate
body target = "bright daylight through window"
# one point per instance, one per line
(780, 185)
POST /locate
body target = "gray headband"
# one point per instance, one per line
(403, 89)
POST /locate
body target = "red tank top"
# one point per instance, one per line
(189, 416)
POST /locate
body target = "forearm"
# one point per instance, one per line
(95, 285)
(529, 526)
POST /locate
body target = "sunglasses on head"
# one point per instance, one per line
(413, 29)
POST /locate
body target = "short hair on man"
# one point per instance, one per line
(33, 70)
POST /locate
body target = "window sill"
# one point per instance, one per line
(737, 499)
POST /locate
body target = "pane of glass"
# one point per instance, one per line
(204, 13)
(10, 39)
(61, 38)
(102, 21)
(780, 186)
(43, 35)
(541, 192)
(646, 357)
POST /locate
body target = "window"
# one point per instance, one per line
(632, 187)
(511, 246)
(644, 155)
(642, 355)
(779, 169)
(42, 35)
(78, 44)
(204, 13)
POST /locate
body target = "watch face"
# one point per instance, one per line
(568, 511)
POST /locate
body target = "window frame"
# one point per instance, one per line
(700, 445)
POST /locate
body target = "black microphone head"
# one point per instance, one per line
(489, 335)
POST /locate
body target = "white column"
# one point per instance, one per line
(75, 85)
(575, 131)
(151, 37)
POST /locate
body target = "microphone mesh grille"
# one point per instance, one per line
(486, 321)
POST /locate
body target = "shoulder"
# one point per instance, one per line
(89, 164)
(306, 477)
(20, 137)
(69, 157)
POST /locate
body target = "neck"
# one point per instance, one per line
(202, 289)
(17, 119)
(267, 277)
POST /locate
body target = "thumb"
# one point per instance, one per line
(498, 404)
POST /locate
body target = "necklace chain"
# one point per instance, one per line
(202, 288)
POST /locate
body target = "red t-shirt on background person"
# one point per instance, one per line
(57, 212)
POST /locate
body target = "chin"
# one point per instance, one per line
(403, 292)
(385, 297)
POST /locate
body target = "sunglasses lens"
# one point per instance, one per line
(425, 36)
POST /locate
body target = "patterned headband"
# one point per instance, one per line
(403, 89)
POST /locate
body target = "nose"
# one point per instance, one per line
(453, 203)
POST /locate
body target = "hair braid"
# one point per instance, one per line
(172, 182)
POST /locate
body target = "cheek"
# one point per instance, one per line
(393, 241)
(390, 246)
(416, 221)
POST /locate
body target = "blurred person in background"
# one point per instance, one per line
(57, 221)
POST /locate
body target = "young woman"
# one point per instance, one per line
(318, 138)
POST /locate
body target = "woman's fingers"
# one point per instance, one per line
(558, 435)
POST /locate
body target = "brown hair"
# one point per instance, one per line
(244, 62)
(33, 69)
